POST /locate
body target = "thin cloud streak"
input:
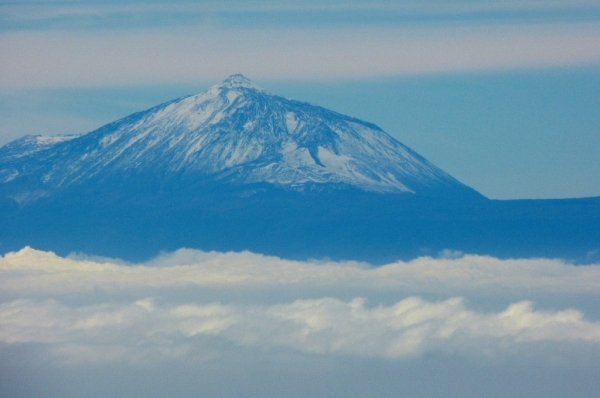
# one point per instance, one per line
(81, 58)
(40, 11)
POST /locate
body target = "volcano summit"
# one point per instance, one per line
(237, 168)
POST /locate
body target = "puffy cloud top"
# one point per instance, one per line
(84, 309)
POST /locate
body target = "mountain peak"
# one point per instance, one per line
(237, 133)
(238, 81)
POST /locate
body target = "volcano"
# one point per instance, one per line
(234, 133)
(239, 168)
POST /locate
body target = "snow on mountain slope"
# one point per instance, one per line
(234, 132)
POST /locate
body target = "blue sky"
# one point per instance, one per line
(501, 94)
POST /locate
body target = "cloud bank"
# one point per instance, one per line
(82, 309)
(409, 328)
(30, 271)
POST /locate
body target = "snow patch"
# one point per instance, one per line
(338, 164)
(55, 139)
(11, 176)
(109, 139)
(217, 117)
(238, 81)
(291, 121)
(232, 95)
(297, 157)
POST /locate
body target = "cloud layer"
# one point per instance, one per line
(30, 271)
(208, 53)
(86, 309)
(406, 329)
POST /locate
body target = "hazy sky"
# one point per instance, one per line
(504, 95)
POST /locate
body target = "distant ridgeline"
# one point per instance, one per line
(238, 168)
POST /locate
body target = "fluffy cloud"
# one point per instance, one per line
(408, 328)
(86, 309)
(30, 271)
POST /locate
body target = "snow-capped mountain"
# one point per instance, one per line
(237, 168)
(234, 132)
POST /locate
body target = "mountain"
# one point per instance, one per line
(235, 133)
(238, 168)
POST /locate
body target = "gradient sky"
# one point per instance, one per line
(503, 95)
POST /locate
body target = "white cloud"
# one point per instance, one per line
(31, 271)
(409, 328)
(202, 54)
(84, 309)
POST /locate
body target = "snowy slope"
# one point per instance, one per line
(234, 132)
